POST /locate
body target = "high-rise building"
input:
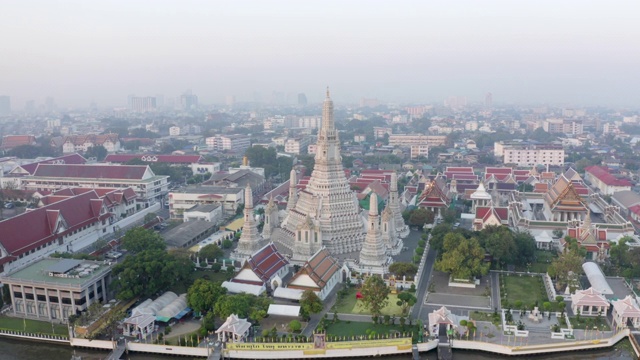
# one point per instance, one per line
(488, 100)
(302, 99)
(49, 104)
(188, 101)
(142, 104)
(5, 105)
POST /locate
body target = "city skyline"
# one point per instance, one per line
(579, 53)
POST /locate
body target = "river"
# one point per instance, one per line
(11, 349)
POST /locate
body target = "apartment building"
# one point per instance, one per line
(407, 140)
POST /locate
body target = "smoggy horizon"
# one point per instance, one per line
(579, 53)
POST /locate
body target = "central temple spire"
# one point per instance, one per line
(325, 212)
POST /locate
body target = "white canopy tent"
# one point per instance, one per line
(173, 309)
(287, 293)
(237, 288)
(596, 278)
(284, 310)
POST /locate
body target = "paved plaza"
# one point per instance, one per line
(473, 298)
(465, 301)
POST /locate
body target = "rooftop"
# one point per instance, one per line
(206, 208)
(185, 232)
(40, 271)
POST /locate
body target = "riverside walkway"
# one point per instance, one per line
(117, 353)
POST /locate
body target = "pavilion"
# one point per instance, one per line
(589, 302)
(624, 311)
(234, 329)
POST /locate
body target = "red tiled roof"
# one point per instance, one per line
(498, 170)
(73, 159)
(635, 209)
(484, 212)
(453, 169)
(175, 159)
(129, 172)
(34, 228)
(267, 262)
(320, 268)
(91, 138)
(11, 141)
(603, 175)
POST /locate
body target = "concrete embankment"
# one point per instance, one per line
(344, 349)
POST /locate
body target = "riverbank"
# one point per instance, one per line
(341, 349)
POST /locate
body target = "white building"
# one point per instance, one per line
(174, 131)
(296, 145)
(57, 288)
(417, 139)
(149, 187)
(523, 154)
(210, 213)
(234, 143)
(419, 151)
(228, 198)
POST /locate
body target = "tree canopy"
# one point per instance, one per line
(98, 151)
(462, 257)
(268, 159)
(568, 266)
(148, 272)
(421, 216)
(405, 301)
(139, 239)
(374, 295)
(243, 305)
(401, 269)
(203, 295)
(498, 241)
(210, 252)
(310, 303)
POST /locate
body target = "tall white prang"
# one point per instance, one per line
(326, 212)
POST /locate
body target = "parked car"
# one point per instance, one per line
(8, 205)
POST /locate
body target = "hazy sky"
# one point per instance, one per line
(580, 52)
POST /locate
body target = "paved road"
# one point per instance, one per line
(417, 312)
(495, 290)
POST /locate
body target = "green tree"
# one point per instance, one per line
(525, 245)
(437, 237)
(148, 272)
(139, 239)
(203, 295)
(98, 151)
(243, 305)
(567, 267)
(210, 252)
(374, 295)
(209, 321)
(463, 258)
(295, 326)
(310, 303)
(405, 301)
(420, 216)
(401, 269)
(498, 241)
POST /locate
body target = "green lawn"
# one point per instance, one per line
(543, 260)
(527, 289)
(486, 316)
(345, 328)
(350, 305)
(588, 322)
(181, 288)
(33, 326)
